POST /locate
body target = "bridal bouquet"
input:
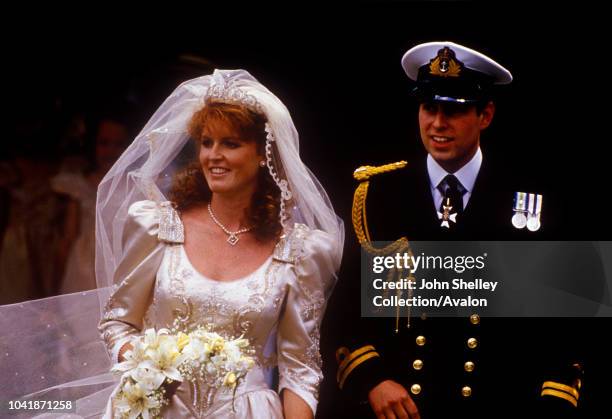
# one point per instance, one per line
(160, 358)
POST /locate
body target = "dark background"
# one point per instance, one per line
(338, 71)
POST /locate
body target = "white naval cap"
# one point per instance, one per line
(447, 71)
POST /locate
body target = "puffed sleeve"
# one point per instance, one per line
(134, 278)
(299, 359)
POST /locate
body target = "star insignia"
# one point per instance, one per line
(447, 216)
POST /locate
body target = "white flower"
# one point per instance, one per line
(232, 352)
(153, 339)
(148, 379)
(211, 368)
(217, 360)
(159, 356)
(165, 358)
(197, 350)
(182, 340)
(135, 401)
(247, 362)
(132, 358)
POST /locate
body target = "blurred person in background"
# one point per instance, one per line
(76, 249)
(31, 211)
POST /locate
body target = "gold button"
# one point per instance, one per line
(469, 366)
(415, 389)
(420, 340)
(466, 391)
(472, 343)
(474, 319)
(417, 364)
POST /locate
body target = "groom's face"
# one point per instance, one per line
(451, 131)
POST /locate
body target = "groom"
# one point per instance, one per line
(461, 367)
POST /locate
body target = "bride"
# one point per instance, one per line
(248, 244)
(211, 219)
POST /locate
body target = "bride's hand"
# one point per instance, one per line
(294, 407)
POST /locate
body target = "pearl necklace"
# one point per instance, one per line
(233, 235)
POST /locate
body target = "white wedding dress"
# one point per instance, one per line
(278, 308)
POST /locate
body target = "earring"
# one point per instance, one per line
(262, 163)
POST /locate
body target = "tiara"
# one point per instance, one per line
(225, 92)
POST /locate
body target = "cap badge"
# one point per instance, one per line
(445, 64)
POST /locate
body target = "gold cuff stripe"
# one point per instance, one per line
(354, 365)
(561, 387)
(353, 355)
(560, 394)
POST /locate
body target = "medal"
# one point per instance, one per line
(534, 210)
(519, 219)
(527, 209)
(533, 223)
(446, 215)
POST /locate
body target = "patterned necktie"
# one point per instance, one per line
(452, 189)
(452, 201)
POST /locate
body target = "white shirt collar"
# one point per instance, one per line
(466, 175)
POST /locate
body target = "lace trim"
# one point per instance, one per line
(307, 382)
(311, 311)
(290, 247)
(171, 228)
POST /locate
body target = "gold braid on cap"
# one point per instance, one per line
(360, 224)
